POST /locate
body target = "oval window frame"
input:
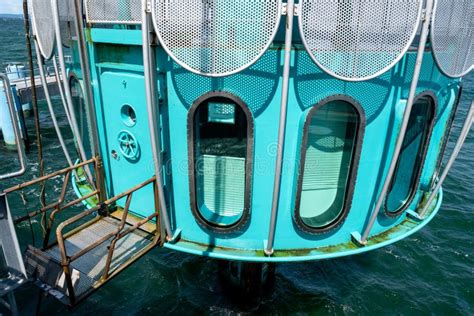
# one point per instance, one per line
(414, 187)
(239, 224)
(354, 168)
(448, 132)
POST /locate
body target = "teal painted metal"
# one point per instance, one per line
(335, 251)
(117, 79)
(124, 170)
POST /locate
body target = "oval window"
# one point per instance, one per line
(410, 162)
(221, 128)
(328, 162)
(447, 133)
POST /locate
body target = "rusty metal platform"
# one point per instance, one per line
(87, 254)
(87, 271)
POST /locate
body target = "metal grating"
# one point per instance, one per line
(216, 37)
(452, 36)
(89, 268)
(113, 11)
(43, 26)
(358, 40)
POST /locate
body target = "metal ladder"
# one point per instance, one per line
(12, 268)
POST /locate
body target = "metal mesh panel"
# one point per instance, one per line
(452, 35)
(43, 26)
(113, 11)
(358, 39)
(216, 37)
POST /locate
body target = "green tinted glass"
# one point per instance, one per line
(329, 151)
(220, 128)
(411, 156)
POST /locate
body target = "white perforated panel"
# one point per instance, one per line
(216, 37)
(113, 11)
(452, 36)
(358, 39)
(43, 26)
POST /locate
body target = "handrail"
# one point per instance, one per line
(49, 176)
(63, 225)
(16, 130)
(83, 251)
(58, 204)
(457, 148)
(119, 233)
(49, 206)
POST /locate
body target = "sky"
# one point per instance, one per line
(11, 6)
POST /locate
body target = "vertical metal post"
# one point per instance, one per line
(457, 148)
(86, 74)
(290, 7)
(153, 114)
(159, 233)
(84, 60)
(16, 130)
(67, 88)
(50, 104)
(406, 117)
(34, 100)
(61, 90)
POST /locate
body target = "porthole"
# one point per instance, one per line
(129, 117)
(329, 159)
(220, 128)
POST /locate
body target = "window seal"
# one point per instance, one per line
(448, 130)
(222, 95)
(354, 168)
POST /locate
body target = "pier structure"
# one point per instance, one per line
(21, 86)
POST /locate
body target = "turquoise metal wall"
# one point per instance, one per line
(382, 100)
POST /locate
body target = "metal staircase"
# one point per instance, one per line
(87, 256)
(91, 246)
(87, 268)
